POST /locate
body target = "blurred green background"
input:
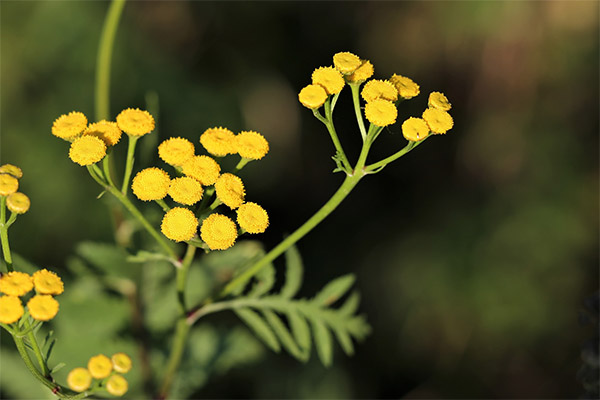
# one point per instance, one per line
(474, 253)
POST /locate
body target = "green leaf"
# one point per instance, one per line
(260, 327)
(49, 351)
(108, 258)
(300, 329)
(57, 367)
(334, 290)
(293, 273)
(284, 335)
(265, 280)
(351, 304)
(323, 341)
(345, 340)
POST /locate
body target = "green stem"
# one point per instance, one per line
(36, 350)
(129, 164)
(334, 136)
(163, 205)
(106, 169)
(359, 118)
(4, 235)
(94, 175)
(380, 164)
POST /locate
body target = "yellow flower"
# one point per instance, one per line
(378, 89)
(381, 112)
(117, 385)
(252, 218)
(87, 150)
(439, 101)
(364, 72)
(8, 184)
(330, 78)
(218, 232)
(11, 309)
(415, 129)
(202, 168)
(176, 151)
(79, 379)
(252, 145)
(406, 87)
(135, 122)
(100, 366)
(47, 282)
(18, 203)
(42, 307)
(346, 62)
(16, 283)
(230, 190)
(69, 126)
(11, 170)
(218, 141)
(108, 131)
(439, 121)
(151, 184)
(121, 362)
(179, 224)
(185, 190)
(312, 96)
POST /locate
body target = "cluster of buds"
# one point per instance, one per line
(106, 371)
(16, 202)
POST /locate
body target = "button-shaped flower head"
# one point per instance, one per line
(415, 129)
(18, 203)
(176, 151)
(8, 184)
(11, 309)
(312, 96)
(439, 121)
(151, 184)
(135, 122)
(121, 362)
(87, 150)
(330, 78)
(179, 224)
(108, 131)
(69, 126)
(251, 145)
(381, 112)
(202, 168)
(406, 87)
(218, 232)
(252, 218)
(100, 366)
(186, 190)
(16, 283)
(230, 190)
(42, 307)
(117, 385)
(47, 282)
(346, 62)
(364, 72)
(79, 379)
(439, 101)
(218, 141)
(378, 89)
(11, 170)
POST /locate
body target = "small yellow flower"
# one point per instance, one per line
(312, 96)
(378, 89)
(381, 112)
(364, 72)
(108, 131)
(202, 168)
(330, 78)
(8, 184)
(346, 62)
(16, 283)
(11, 170)
(415, 129)
(100, 366)
(252, 218)
(79, 379)
(179, 224)
(42, 307)
(439, 101)
(18, 203)
(47, 282)
(135, 122)
(176, 151)
(439, 121)
(11, 309)
(69, 126)
(407, 89)
(87, 150)
(218, 232)
(230, 190)
(252, 145)
(151, 184)
(121, 362)
(218, 141)
(117, 385)
(185, 190)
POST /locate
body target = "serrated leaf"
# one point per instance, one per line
(334, 290)
(284, 335)
(265, 280)
(351, 304)
(300, 329)
(345, 341)
(293, 273)
(57, 367)
(323, 341)
(260, 327)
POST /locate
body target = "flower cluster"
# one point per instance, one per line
(42, 306)
(16, 202)
(106, 370)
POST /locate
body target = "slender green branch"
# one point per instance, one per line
(106, 169)
(380, 164)
(241, 164)
(129, 163)
(357, 110)
(163, 205)
(36, 350)
(94, 175)
(334, 137)
(4, 235)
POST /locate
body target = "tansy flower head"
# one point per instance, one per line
(135, 122)
(218, 232)
(151, 184)
(8, 184)
(439, 121)
(87, 150)
(252, 218)
(11, 309)
(230, 190)
(121, 362)
(202, 168)
(439, 101)
(11, 170)
(252, 145)
(378, 89)
(312, 96)
(42, 307)
(407, 89)
(108, 131)
(100, 366)
(16, 283)
(381, 112)
(179, 224)
(218, 141)
(176, 151)
(79, 379)
(18, 203)
(415, 129)
(117, 385)
(47, 282)
(185, 190)
(69, 126)
(346, 62)
(364, 72)
(330, 78)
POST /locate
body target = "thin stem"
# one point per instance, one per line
(94, 175)
(380, 164)
(241, 164)
(129, 164)
(36, 350)
(106, 169)
(359, 118)
(4, 235)
(163, 205)
(334, 136)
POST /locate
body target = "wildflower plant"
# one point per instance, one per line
(204, 204)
